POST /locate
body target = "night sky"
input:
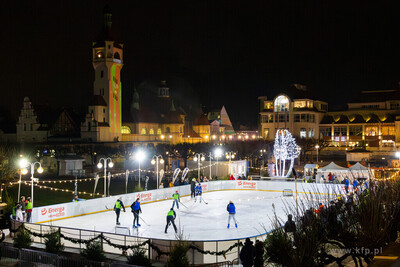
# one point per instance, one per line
(212, 53)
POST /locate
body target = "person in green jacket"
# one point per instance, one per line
(176, 199)
(117, 208)
(28, 209)
(171, 215)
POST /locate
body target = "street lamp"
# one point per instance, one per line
(217, 154)
(317, 147)
(230, 155)
(110, 165)
(398, 155)
(199, 157)
(25, 164)
(155, 160)
(139, 156)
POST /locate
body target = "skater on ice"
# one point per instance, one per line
(171, 215)
(199, 192)
(232, 211)
(177, 199)
(117, 207)
(136, 209)
(192, 188)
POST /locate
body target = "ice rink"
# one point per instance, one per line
(198, 221)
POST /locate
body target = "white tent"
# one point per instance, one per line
(334, 169)
(359, 171)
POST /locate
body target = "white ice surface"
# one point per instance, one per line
(199, 221)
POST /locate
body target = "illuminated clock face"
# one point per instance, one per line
(100, 55)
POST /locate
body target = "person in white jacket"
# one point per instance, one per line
(18, 214)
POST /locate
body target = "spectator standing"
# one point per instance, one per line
(290, 226)
(259, 254)
(247, 253)
(28, 209)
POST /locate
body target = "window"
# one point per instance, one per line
(143, 131)
(340, 131)
(300, 104)
(104, 120)
(303, 133)
(310, 132)
(24, 126)
(325, 131)
(180, 129)
(125, 130)
(104, 110)
(89, 126)
(281, 104)
(159, 131)
(281, 117)
(30, 127)
(167, 130)
(355, 130)
(266, 133)
(371, 131)
(296, 117)
(101, 74)
(388, 130)
(268, 105)
(151, 131)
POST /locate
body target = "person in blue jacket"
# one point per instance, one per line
(135, 210)
(346, 185)
(232, 211)
(199, 192)
(355, 184)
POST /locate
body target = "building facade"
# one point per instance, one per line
(372, 121)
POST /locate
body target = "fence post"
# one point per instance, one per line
(80, 238)
(149, 249)
(41, 233)
(238, 248)
(216, 254)
(101, 238)
(193, 254)
(59, 235)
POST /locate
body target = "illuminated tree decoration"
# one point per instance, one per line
(285, 148)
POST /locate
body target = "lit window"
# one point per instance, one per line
(303, 133)
(159, 131)
(125, 130)
(281, 104)
(143, 131)
(151, 131)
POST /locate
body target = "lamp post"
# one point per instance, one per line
(210, 156)
(262, 151)
(398, 155)
(217, 153)
(199, 157)
(317, 147)
(139, 156)
(23, 163)
(155, 160)
(25, 171)
(100, 165)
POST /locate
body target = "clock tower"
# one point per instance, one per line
(103, 122)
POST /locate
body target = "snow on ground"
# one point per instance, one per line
(199, 221)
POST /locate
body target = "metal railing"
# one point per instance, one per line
(194, 256)
(26, 257)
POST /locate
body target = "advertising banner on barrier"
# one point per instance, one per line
(52, 212)
(243, 184)
(204, 187)
(144, 196)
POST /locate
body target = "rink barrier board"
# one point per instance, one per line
(75, 209)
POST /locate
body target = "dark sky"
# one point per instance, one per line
(210, 52)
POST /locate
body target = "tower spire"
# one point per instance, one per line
(107, 17)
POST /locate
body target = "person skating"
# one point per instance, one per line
(28, 209)
(177, 199)
(232, 211)
(117, 207)
(171, 215)
(192, 188)
(135, 210)
(199, 192)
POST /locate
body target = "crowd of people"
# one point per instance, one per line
(22, 211)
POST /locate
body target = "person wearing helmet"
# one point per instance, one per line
(171, 215)
(117, 208)
(176, 199)
(199, 192)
